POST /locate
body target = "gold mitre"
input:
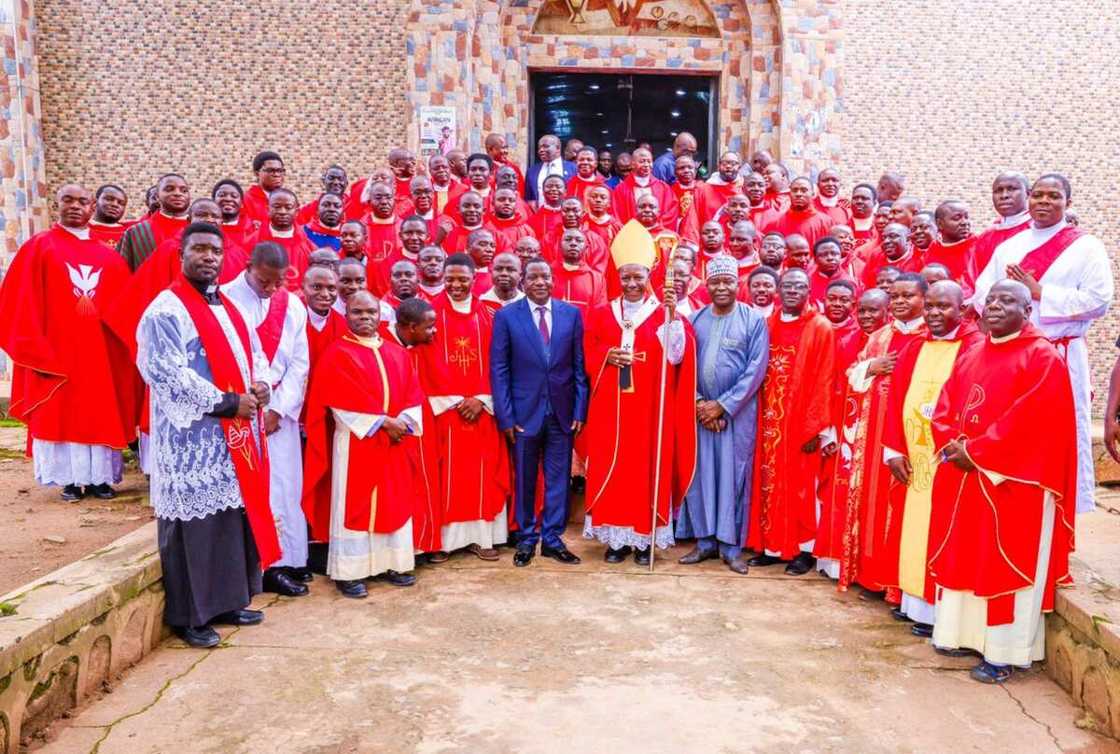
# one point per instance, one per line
(633, 245)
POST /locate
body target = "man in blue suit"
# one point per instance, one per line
(551, 163)
(540, 392)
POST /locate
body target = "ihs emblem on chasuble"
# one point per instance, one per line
(463, 355)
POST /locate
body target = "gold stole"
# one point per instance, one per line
(932, 369)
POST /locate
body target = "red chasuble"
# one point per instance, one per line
(796, 408)
(579, 186)
(985, 247)
(809, 223)
(368, 377)
(240, 232)
(866, 558)
(688, 225)
(624, 204)
(710, 198)
(248, 448)
(596, 252)
(109, 235)
(606, 228)
(473, 471)
(762, 218)
(911, 262)
(426, 524)
(318, 340)
(546, 220)
(383, 237)
(310, 211)
(378, 274)
(299, 248)
(456, 239)
(510, 231)
(984, 536)
(254, 205)
(620, 439)
(71, 381)
(778, 202)
(583, 288)
(819, 282)
(837, 215)
(957, 257)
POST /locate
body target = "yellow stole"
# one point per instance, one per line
(932, 369)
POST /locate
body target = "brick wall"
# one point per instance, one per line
(949, 94)
(133, 89)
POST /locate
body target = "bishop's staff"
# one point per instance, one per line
(670, 311)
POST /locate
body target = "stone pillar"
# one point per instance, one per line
(23, 192)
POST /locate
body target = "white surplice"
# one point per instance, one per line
(287, 376)
(1076, 289)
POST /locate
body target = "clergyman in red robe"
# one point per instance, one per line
(281, 228)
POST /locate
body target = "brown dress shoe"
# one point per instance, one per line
(484, 553)
(696, 555)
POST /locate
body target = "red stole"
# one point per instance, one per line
(686, 201)
(272, 326)
(983, 536)
(1038, 261)
(795, 408)
(986, 244)
(367, 377)
(247, 448)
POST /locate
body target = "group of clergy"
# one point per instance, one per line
(415, 364)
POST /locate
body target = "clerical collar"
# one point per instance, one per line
(909, 326)
(444, 187)
(951, 244)
(862, 223)
(476, 227)
(277, 233)
(1013, 220)
(571, 267)
(492, 295)
(481, 271)
(432, 290)
(789, 317)
(481, 192)
(951, 335)
(601, 219)
(1005, 338)
(372, 341)
(80, 233)
(827, 201)
(382, 221)
(592, 179)
(643, 182)
(411, 257)
(318, 321)
(717, 180)
(428, 215)
(463, 307)
(1052, 230)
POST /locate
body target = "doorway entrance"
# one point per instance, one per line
(619, 111)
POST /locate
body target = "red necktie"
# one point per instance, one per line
(543, 325)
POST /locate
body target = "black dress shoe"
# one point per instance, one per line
(901, 617)
(763, 560)
(641, 557)
(101, 491)
(200, 637)
(523, 557)
(579, 484)
(396, 578)
(561, 553)
(281, 583)
(355, 590)
(956, 652)
(923, 630)
(696, 555)
(801, 565)
(302, 575)
(616, 556)
(867, 595)
(71, 493)
(238, 618)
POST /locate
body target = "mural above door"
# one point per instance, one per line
(642, 18)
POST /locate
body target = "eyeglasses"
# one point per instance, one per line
(274, 171)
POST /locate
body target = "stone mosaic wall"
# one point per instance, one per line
(950, 94)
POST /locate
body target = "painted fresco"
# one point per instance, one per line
(642, 18)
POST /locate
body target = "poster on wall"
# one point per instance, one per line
(437, 130)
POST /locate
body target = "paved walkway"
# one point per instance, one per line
(484, 658)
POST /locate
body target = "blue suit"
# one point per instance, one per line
(535, 172)
(539, 391)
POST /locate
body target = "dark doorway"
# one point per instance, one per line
(619, 111)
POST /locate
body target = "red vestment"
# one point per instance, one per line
(71, 381)
(864, 235)
(984, 537)
(254, 205)
(620, 439)
(579, 186)
(985, 247)
(473, 458)
(795, 409)
(819, 282)
(837, 469)
(108, 234)
(457, 234)
(546, 220)
(688, 227)
(840, 214)
(808, 223)
(510, 231)
(957, 257)
(241, 231)
(866, 559)
(710, 198)
(142, 238)
(378, 273)
(383, 237)
(912, 261)
(366, 377)
(606, 228)
(319, 229)
(299, 248)
(447, 198)
(318, 340)
(624, 204)
(596, 252)
(583, 287)
(515, 168)
(426, 533)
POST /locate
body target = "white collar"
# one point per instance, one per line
(1005, 338)
(463, 307)
(281, 233)
(79, 233)
(547, 304)
(339, 305)
(863, 223)
(951, 335)
(1012, 220)
(492, 295)
(318, 321)
(1052, 230)
(907, 327)
(717, 180)
(789, 317)
(826, 202)
(642, 182)
(431, 290)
